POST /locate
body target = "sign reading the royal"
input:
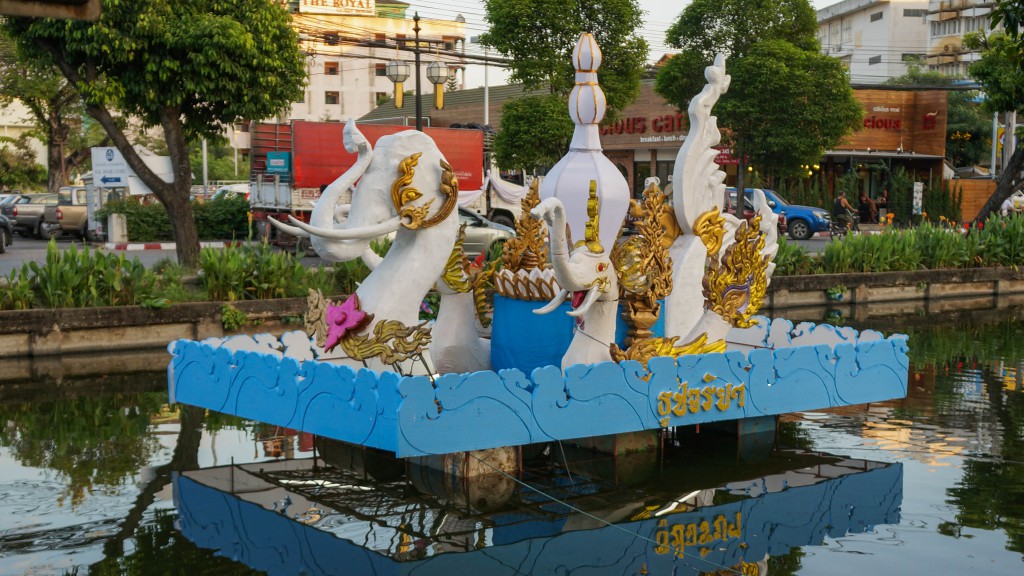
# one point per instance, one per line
(359, 7)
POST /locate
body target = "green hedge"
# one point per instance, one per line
(221, 219)
(927, 247)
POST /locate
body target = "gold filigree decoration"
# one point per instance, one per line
(450, 192)
(647, 348)
(391, 341)
(316, 316)
(592, 231)
(403, 195)
(536, 284)
(735, 287)
(710, 228)
(644, 265)
(483, 293)
(455, 274)
(602, 283)
(529, 249)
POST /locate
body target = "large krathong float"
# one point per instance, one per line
(644, 332)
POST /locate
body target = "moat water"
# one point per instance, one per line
(99, 475)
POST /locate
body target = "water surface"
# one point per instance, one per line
(99, 475)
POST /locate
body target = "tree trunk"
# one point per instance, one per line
(57, 168)
(1009, 183)
(183, 225)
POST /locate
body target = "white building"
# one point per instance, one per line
(948, 21)
(875, 39)
(350, 42)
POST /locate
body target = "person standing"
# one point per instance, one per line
(866, 207)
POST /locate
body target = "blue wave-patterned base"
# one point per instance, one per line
(413, 417)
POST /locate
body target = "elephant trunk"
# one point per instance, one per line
(323, 211)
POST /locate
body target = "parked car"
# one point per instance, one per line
(26, 213)
(748, 208)
(481, 233)
(6, 233)
(802, 221)
(70, 215)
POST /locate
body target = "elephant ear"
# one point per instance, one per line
(403, 194)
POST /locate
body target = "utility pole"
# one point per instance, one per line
(419, 104)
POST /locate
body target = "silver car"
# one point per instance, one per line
(481, 234)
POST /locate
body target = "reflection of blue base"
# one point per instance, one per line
(524, 340)
(746, 530)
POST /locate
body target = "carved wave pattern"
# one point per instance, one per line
(787, 369)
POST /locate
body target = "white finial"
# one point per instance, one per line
(586, 101)
(569, 179)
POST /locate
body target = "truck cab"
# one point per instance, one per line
(70, 215)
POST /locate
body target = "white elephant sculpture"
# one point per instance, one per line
(588, 275)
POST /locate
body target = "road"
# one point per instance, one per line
(32, 249)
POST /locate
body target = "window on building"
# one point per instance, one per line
(876, 16)
(301, 100)
(331, 98)
(874, 60)
(331, 38)
(847, 31)
(379, 37)
(915, 12)
(380, 69)
(331, 68)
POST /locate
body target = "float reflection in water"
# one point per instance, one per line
(300, 517)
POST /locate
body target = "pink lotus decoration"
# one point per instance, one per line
(344, 319)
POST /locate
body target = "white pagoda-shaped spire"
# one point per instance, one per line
(569, 180)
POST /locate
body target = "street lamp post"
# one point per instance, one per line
(419, 104)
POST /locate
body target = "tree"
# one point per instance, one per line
(189, 67)
(1000, 75)
(535, 131)
(56, 110)
(789, 106)
(538, 38)
(787, 103)
(18, 166)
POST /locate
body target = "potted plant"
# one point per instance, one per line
(835, 293)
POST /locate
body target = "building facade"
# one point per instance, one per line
(875, 39)
(948, 21)
(349, 43)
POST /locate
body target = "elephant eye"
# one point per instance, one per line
(601, 266)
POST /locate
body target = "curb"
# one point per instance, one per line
(131, 246)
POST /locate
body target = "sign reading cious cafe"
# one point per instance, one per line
(363, 7)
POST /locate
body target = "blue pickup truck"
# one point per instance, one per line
(802, 221)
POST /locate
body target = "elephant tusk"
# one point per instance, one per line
(554, 304)
(363, 233)
(592, 295)
(289, 229)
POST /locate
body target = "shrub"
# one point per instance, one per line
(257, 271)
(220, 219)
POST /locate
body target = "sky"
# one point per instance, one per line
(660, 15)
